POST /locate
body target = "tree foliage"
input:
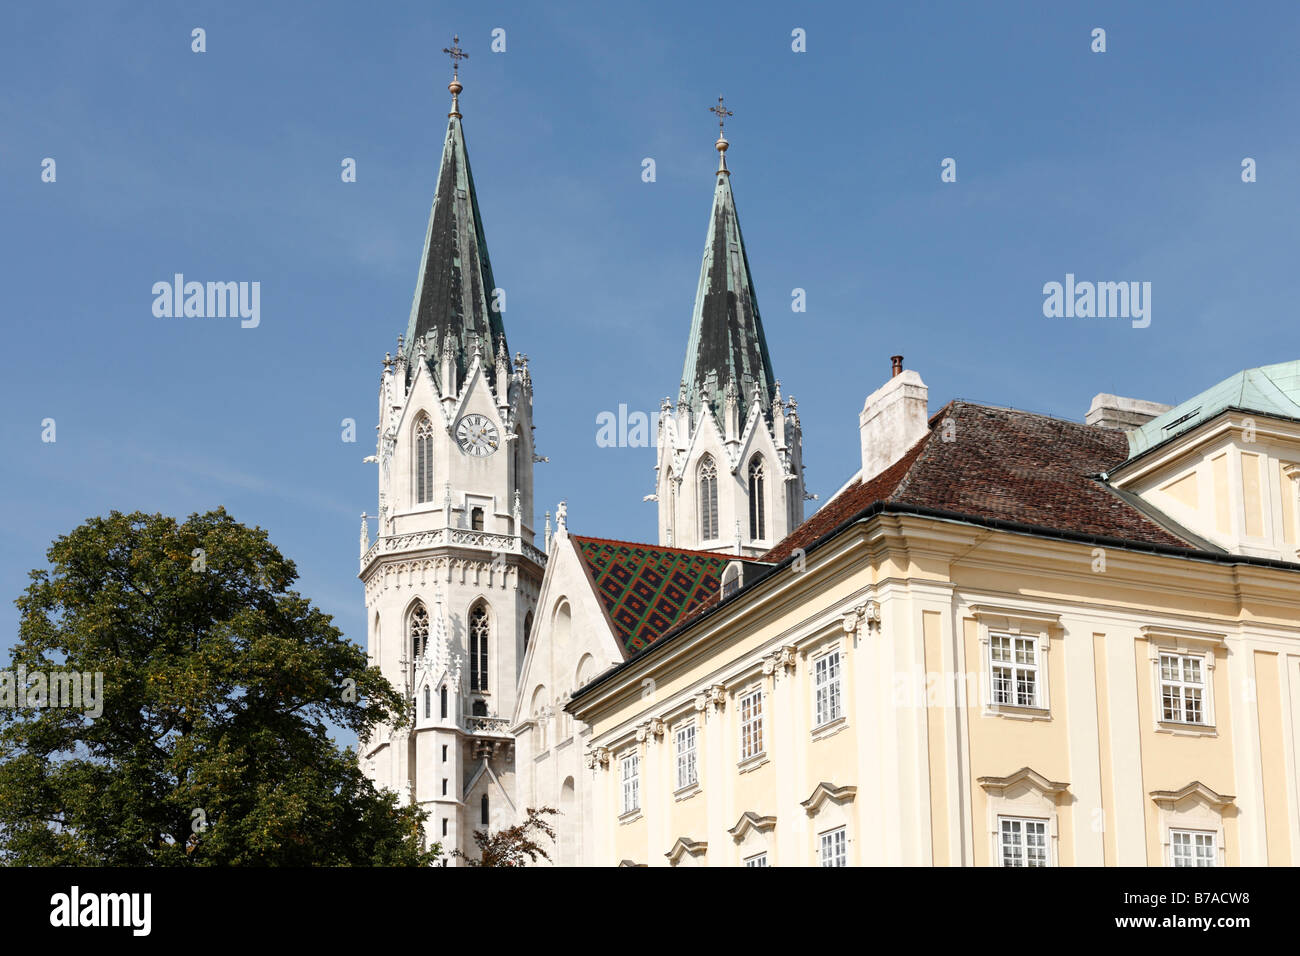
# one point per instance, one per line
(516, 845)
(212, 746)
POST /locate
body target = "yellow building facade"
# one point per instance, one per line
(986, 653)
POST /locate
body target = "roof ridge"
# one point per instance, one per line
(664, 547)
(1018, 411)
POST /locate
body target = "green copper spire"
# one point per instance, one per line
(454, 292)
(727, 345)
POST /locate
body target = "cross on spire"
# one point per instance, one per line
(456, 54)
(722, 113)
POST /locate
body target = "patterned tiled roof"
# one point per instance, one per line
(645, 588)
(1005, 465)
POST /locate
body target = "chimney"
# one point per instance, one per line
(1113, 411)
(894, 418)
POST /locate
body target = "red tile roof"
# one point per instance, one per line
(1000, 464)
(645, 589)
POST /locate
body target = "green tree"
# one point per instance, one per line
(513, 846)
(212, 747)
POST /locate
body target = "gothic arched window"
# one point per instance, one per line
(708, 499)
(483, 810)
(756, 496)
(442, 694)
(428, 702)
(528, 628)
(423, 460)
(479, 629)
(419, 633)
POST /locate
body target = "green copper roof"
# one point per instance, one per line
(453, 292)
(1272, 390)
(727, 343)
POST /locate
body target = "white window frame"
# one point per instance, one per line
(1183, 643)
(1013, 824)
(755, 722)
(1018, 669)
(1195, 841)
(687, 759)
(833, 685)
(631, 782)
(758, 860)
(1182, 678)
(1021, 624)
(833, 847)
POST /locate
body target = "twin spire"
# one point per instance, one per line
(458, 304)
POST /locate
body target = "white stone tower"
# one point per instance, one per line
(730, 459)
(452, 577)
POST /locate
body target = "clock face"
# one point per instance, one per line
(477, 436)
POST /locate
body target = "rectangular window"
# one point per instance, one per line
(687, 768)
(444, 826)
(1014, 675)
(1023, 842)
(835, 848)
(751, 724)
(826, 681)
(1182, 688)
(758, 859)
(444, 753)
(444, 786)
(1192, 848)
(631, 783)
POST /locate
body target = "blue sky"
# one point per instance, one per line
(1124, 165)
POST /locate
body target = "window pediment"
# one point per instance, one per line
(685, 846)
(1026, 779)
(1194, 791)
(828, 791)
(751, 822)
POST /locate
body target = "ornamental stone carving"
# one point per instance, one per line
(781, 661)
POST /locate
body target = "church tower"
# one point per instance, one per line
(452, 577)
(730, 455)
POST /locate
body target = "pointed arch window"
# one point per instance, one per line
(423, 460)
(708, 499)
(428, 702)
(483, 810)
(528, 628)
(479, 629)
(419, 633)
(442, 695)
(757, 504)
